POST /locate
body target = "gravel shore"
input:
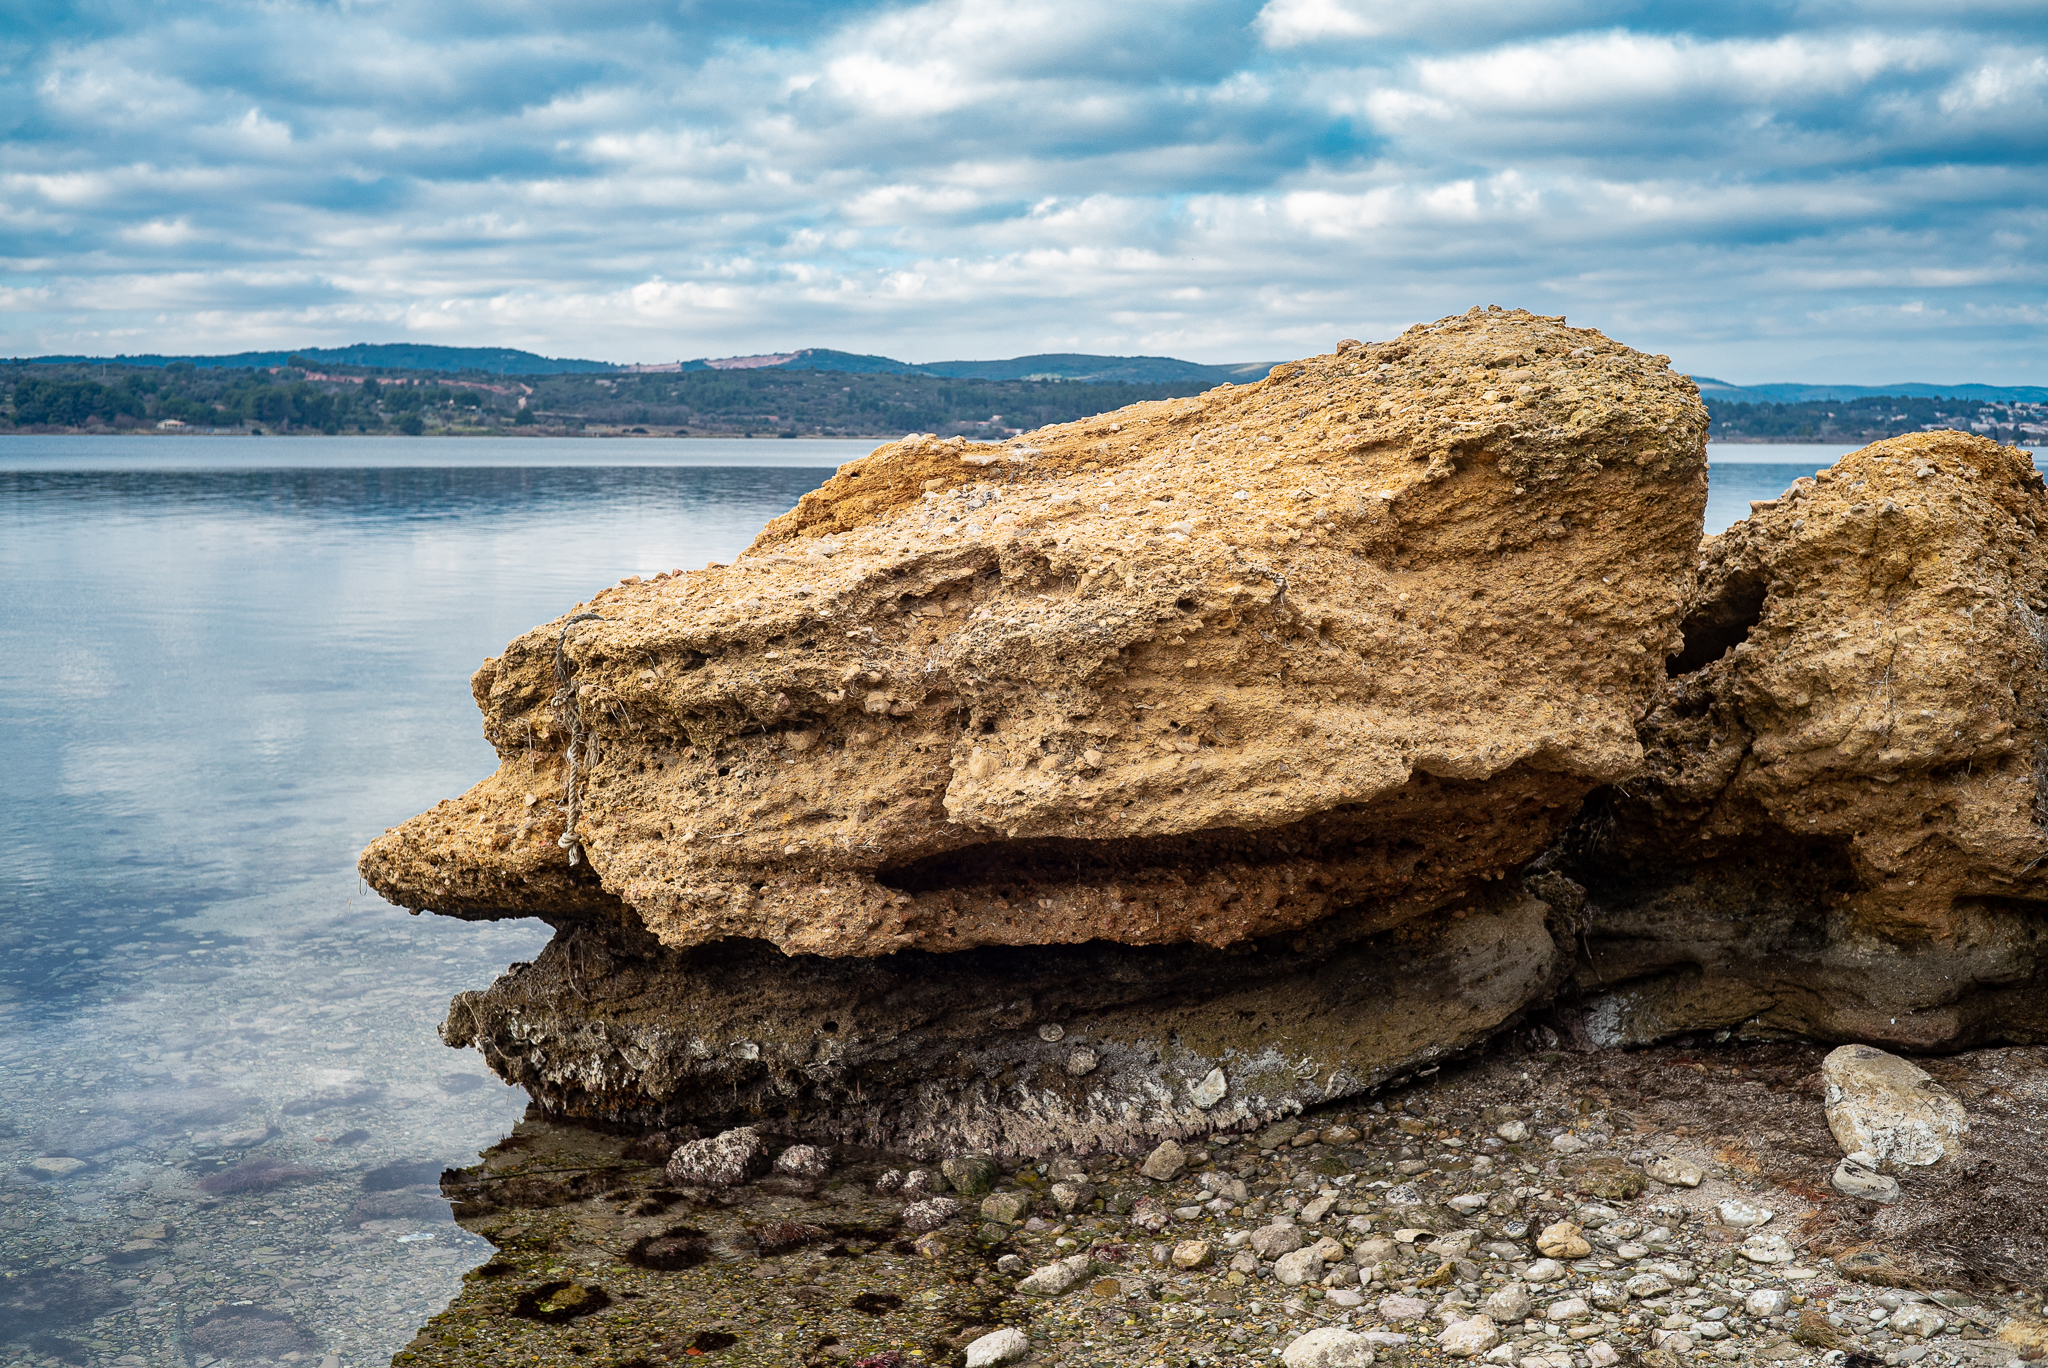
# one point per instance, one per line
(1537, 1207)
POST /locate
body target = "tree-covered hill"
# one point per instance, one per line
(1869, 418)
(316, 398)
(312, 397)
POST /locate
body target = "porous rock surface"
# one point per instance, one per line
(724, 1160)
(1212, 730)
(1838, 830)
(931, 1054)
(1355, 639)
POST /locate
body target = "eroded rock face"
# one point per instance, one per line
(1349, 643)
(1212, 732)
(936, 1054)
(1838, 829)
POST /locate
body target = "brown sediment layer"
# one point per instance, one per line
(1004, 1050)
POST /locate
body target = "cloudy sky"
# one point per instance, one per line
(1813, 191)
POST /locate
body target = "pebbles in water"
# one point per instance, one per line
(331, 1097)
(679, 1247)
(804, 1161)
(556, 1303)
(411, 1173)
(929, 1214)
(256, 1175)
(250, 1332)
(55, 1166)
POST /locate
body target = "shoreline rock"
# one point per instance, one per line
(1837, 832)
(1213, 732)
(1197, 764)
(1354, 640)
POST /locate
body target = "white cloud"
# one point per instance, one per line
(1998, 86)
(1297, 23)
(1619, 69)
(1290, 23)
(895, 89)
(160, 232)
(263, 134)
(966, 177)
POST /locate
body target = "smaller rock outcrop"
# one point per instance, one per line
(1840, 829)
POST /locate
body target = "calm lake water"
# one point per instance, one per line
(226, 664)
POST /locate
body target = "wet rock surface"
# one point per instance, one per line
(1391, 1255)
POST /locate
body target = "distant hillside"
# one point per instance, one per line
(703, 401)
(1868, 418)
(405, 356)
(1068, 367)
(1101, 370)
(1075, 367)
(812, 358)
(412, 356)
(1791, 392)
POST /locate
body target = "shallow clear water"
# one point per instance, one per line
(215, 686)
(226, 664)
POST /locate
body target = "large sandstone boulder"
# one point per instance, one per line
(1839, 827)
(1217, 729)
(1354, 639)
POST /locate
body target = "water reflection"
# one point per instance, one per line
(223, 1107)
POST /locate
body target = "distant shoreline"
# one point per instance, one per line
(563, 434)
(521, 433)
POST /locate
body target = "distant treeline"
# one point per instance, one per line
(308, 399)
(1869, 419)
(833, 403)
(294, 407)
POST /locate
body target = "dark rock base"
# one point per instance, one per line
(1755, 942)
(1014, 1051)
